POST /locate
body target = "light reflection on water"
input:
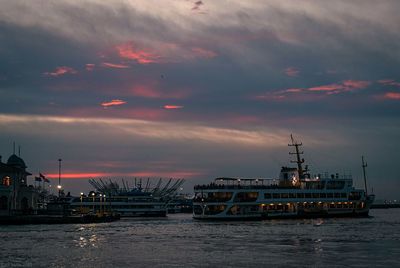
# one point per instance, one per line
(180, 241)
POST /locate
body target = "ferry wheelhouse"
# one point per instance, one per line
(295, 194)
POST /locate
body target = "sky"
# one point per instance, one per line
(201, 89)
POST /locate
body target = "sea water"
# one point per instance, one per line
(180, 241)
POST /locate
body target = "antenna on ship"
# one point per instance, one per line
(364, 165)
(298, 160)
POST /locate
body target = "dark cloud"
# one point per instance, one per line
(214, 85)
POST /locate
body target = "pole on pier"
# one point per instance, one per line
(364, 165)
(59, 177)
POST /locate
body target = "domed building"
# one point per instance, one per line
(16, 197)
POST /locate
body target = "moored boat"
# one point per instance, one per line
(126, 201)
(295, 194)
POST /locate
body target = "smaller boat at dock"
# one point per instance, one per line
(136, 201)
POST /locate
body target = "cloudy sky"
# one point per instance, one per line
(199, 89)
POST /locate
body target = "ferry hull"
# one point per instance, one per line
(295, 214)
(284, 216)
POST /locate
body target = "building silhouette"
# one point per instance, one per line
(16, 197)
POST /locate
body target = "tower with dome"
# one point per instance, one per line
(16, 196)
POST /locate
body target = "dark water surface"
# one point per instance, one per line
(179, 241)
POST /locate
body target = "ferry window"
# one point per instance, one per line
(337, 195)
(307, 195)
(284, 195)
(335, 185)
(322, 195)
(315, 195)
(214, 209)
(267, 196)
(300, 195)
(343, 195)
(354, 196)
(331, 205)
(329, 195)
(277, 196)
(292, 195)
(246, 196)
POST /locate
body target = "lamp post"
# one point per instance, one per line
(59, 177)
(105, 202)
(81, 202)
(101, 203)
(93, 195)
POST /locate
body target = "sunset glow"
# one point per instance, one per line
(392, 95)
(113, 103)
(62, 70)
(114, 65)
(169, 107)
(128, 51)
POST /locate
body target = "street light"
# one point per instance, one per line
(101, 204)
(59, 189)
(104, 201)
(81, 201)
(93, 194)
(59, 177)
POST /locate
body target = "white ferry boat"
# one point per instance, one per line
(295, 194)
(126, 201)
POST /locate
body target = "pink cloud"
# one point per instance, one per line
(288, 94)
(346, 85)
(61, 70)
(270, 96)
(392, 95)
(113, 103)
(355, 84)
(330, 87)
(203, 53)
(389, 82)
(89, 67)
(114, 65)
(293, 90)
(292, 72)
(172, 107)
(146, 92)
(128, 51)
(151, 91)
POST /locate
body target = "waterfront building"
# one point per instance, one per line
(16, 196)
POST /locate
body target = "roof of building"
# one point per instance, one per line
(16, 161)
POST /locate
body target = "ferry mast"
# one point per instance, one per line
(364, 165)
(299, 161)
